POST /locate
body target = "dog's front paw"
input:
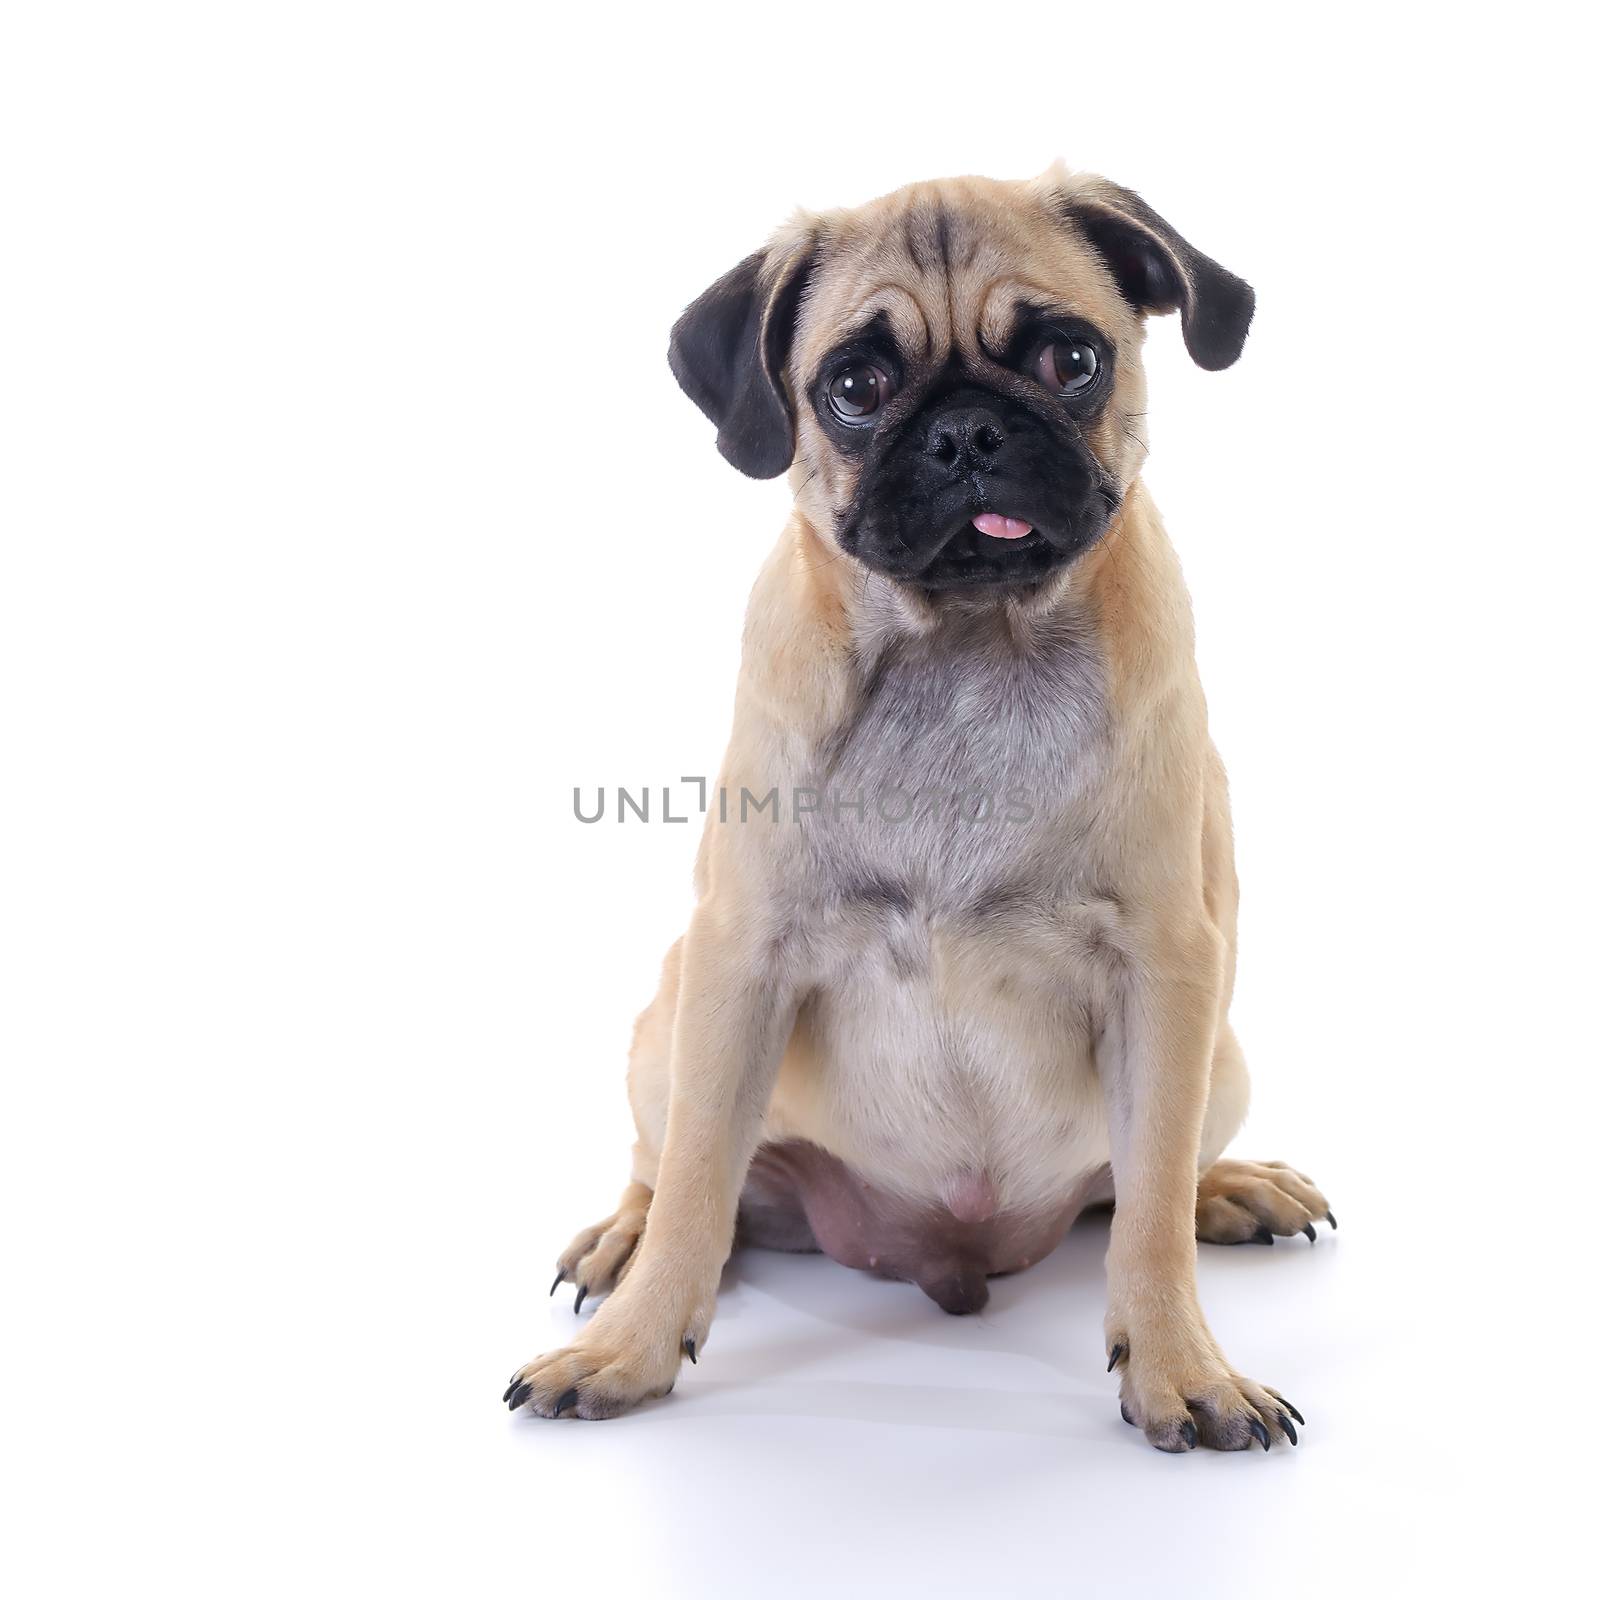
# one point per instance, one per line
(621, 1358)
(1183, 1394)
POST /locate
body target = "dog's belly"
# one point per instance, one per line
(938, 1117)
(800, 1197)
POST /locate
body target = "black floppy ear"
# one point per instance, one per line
(1158, 270)
(728, 351)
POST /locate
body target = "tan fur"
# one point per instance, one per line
(725, 1058)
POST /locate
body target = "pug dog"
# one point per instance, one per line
(912, 1031)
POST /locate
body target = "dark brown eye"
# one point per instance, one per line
(1066, 368)
(858, 391)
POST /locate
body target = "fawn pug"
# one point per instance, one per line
(917, 1033)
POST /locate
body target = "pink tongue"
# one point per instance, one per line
(998, 527)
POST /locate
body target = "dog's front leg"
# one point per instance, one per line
(1176, 1384)
(733, 1016)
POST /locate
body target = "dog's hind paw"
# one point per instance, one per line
(597, 1260)
(1252, 1202)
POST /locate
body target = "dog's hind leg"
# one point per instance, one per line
(599, 1257)
(1246, 1202)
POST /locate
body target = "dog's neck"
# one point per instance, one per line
(820, 623)
(1131, 564)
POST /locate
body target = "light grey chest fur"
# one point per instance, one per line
(968, 767)
(949, 927)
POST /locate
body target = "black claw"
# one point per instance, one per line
(516, 1396)
(1116, 1356)
(1310, 1233)
(1190, 1436)
(1288, 1428)
(577, 1305)
(1127, 1416)
(688, 1350)
(1259, 1429)
(570, 1398)
(561, 1278)
(1288, 1405)
(1263, 1235)
(1333, 1222)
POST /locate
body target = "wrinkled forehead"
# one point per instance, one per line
(949, 267)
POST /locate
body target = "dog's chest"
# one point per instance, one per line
(968, 752)
(955, 937)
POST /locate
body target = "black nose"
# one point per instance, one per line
(967, 437)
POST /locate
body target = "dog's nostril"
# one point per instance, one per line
(970, 435)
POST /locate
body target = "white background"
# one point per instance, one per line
(352, 517)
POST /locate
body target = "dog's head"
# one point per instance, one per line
(954, 369)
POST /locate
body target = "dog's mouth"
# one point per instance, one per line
(967, 541)
(991, 548)
(994, 526)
